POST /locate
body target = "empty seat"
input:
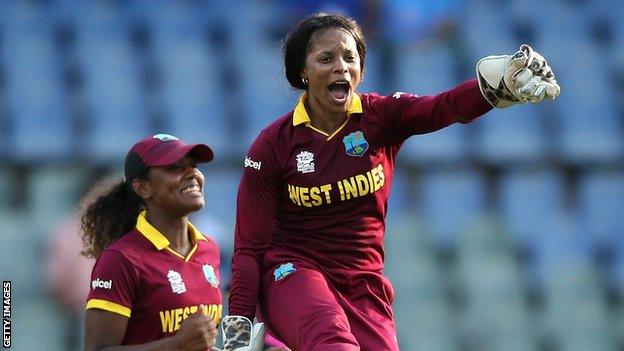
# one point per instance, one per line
(221, 187)
(512, 135)
(530, 198)
(425, 71)
(575, 312)
(601, 210)
(562, 244)
(35, 94)
(451, 200)
(587, 121)
(193, 94)
(263, 91)
(444, 146)
(53, 193)
(114, 96)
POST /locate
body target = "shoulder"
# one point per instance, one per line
(128, 248)
(277, 129)
(370, 100)
(271, 139)
(209, 244)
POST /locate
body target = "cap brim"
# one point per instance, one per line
(200, 152)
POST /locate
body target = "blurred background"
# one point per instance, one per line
(505, 234)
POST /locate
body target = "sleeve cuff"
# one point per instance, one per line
(108, 306)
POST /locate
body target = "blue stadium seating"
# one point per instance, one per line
(424, 70)
(447, 145)
(511, 136)
(529, 199)
(601, 195)
(193, 95)
(35, 94)
(450, 201)
(113, 92)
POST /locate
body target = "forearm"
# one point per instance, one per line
(245, 286)
(467, 103)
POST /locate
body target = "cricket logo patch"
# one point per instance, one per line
(305, 162)
(175, 279)
(209, 274)
(355, 144)
(284, 271)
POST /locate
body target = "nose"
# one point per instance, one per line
(341, 66)
(192, 171)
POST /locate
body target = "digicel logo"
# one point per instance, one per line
(253, 164)
(104, 284)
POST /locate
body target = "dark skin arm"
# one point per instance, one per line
(105, 331)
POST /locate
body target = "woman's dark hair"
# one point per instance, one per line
(107, 212)
(296, 44)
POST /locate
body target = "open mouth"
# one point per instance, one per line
(339, 91)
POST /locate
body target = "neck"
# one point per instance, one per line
(324, 120)
(174, 229)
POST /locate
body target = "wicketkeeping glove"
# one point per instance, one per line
(525, 76)
(240, 334)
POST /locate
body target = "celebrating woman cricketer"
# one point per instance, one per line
(155, 285)
(312, 201)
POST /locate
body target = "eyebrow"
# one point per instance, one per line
(330, 52)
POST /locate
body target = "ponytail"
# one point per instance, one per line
(107, 212)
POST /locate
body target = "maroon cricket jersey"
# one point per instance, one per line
(310, 198)
(140, 277)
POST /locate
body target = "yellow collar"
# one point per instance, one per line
(300, 115)
(156, 238)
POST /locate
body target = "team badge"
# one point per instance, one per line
(305, 162)
(177, 285)
(283, 271)
(397, 95)
(210, 275)
(355, 144)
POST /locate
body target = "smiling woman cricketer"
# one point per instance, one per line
(312, 201)
(155, 285)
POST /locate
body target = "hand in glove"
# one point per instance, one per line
(506, 80)
(240, 334)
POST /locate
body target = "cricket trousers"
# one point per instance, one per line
(308, 312)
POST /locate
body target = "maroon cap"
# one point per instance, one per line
(161, 150)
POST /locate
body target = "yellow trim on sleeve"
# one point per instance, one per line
(108, 306)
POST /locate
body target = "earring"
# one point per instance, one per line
(305, 81)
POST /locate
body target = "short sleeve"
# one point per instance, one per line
(114, 282)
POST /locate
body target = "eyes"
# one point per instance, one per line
(349, 58)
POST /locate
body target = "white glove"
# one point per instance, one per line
(506, 80)
(240, 334)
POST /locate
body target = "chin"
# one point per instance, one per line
(196, 206)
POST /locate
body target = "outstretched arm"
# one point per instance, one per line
(256, 204)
